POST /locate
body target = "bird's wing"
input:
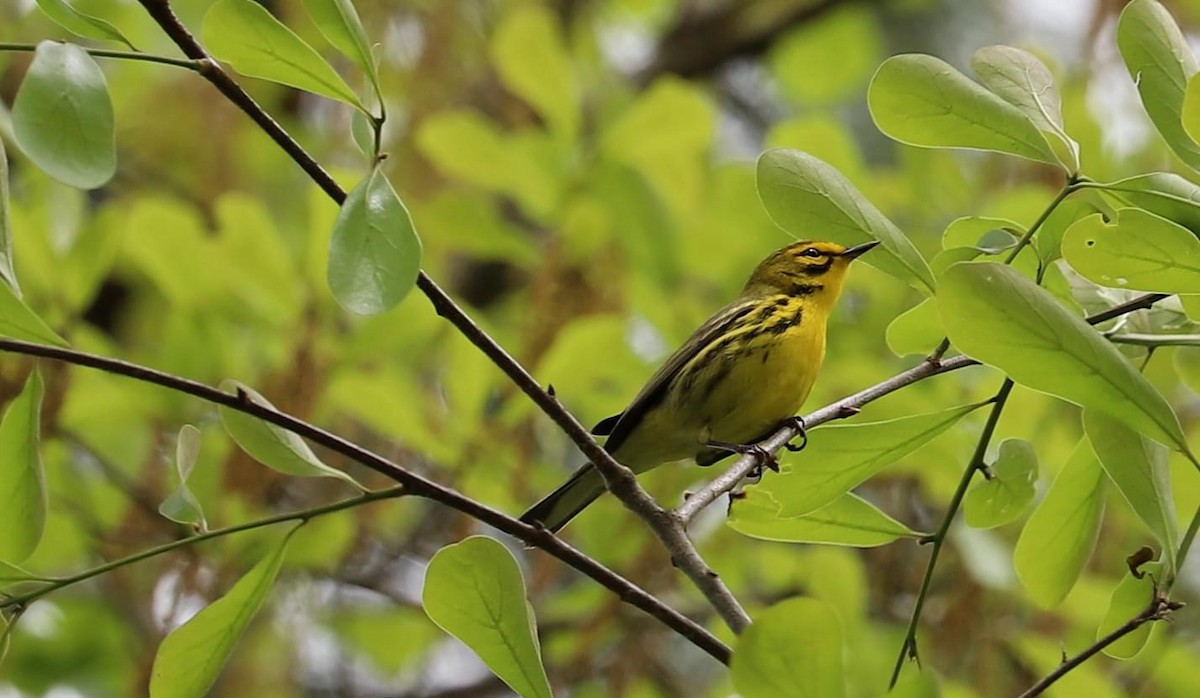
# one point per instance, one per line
(620, 426)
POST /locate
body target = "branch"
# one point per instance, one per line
(1158, 609)
(23, 600)
(124, 55)
(413, 483)
(1156, 340)
(845, 407)
(619, 479)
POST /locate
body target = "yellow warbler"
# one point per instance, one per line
(739, 377)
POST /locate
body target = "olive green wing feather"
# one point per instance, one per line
(619, 426)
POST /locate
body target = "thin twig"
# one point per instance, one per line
(619, 479)
(1158, 609)
(908, 650)
(123, 55)
(1156, 340)
(415, 484)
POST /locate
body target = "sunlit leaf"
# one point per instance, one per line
(1001, 318)
(1159, 60)
(66, 16)
(975, 231)
(1130, 598)
(1008, 493)
(803, 194)
(19, 322)
(190, 658)
(840, 457)
(182, 506)
(1162, 193)
(921, 100)
(532, 59)
(1059, 536)
(63, 118)
(374, 255)
(1139, 251)
(1021, 79)
(22, 479)
(6, 247)
(341, 26)
(792, 650)
(917, 330)
(474, 591)
(274, 447)
(245, 35)
(848, 520)
(1138, 467)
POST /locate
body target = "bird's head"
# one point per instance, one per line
(806, 268)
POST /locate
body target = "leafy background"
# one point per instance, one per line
(582, 176)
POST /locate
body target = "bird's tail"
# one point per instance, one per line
(560, 506)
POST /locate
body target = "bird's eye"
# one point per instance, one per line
(812, 252)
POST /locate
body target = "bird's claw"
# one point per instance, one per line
(797, 423)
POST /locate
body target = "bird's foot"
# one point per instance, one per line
(764, 457)
(796, 423)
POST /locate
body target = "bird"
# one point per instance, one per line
(742, 374)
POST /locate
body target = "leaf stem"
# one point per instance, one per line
(1156, 340)
(186, 63)
(1069, 188)
(908, 650)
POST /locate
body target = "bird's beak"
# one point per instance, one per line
(857, 250)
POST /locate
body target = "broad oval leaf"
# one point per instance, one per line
(63, 117)
(1021, 79)
(1059, 536)
(1138, 251)
(374, 254)
(338, 21)
(994, 314)
(984, 233)
(532, 60)
(66, 16)
(22, 479)
(923, 101)
(848, 520)
(1009, 492)
(245, 35)
(7, 275)
(1138, 467)
(19, 322)
(274, 447)
(189, 659)
(1130, 597)
(803, 194)
(1162, 193)
(840, 457)
(182, 506)
(1160, 61)
(917, 330)
(474, 591)
(792, 650)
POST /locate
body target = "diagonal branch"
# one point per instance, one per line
(619, 479)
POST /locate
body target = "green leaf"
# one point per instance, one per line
(474, 591)
(792, 650)
(1009, 492)
(19, 322)
(840, 457)
(374, 255)
(1138, 251)
(1159, 60)
(848, 520)
(1021, 79)
(803, 194)
(923, 101)
(22, 479)
(64, 15)
(6, 247)
(1130, 598)
(245, 35)
(917, 330)
(274, 447)
(1138, 467)
(1003, 319)
(973, 231)
(182, 506)
(63, 118)
(1059, 536)
(190, 658)
(1162, 193)
(532, 60)
(338, 21)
